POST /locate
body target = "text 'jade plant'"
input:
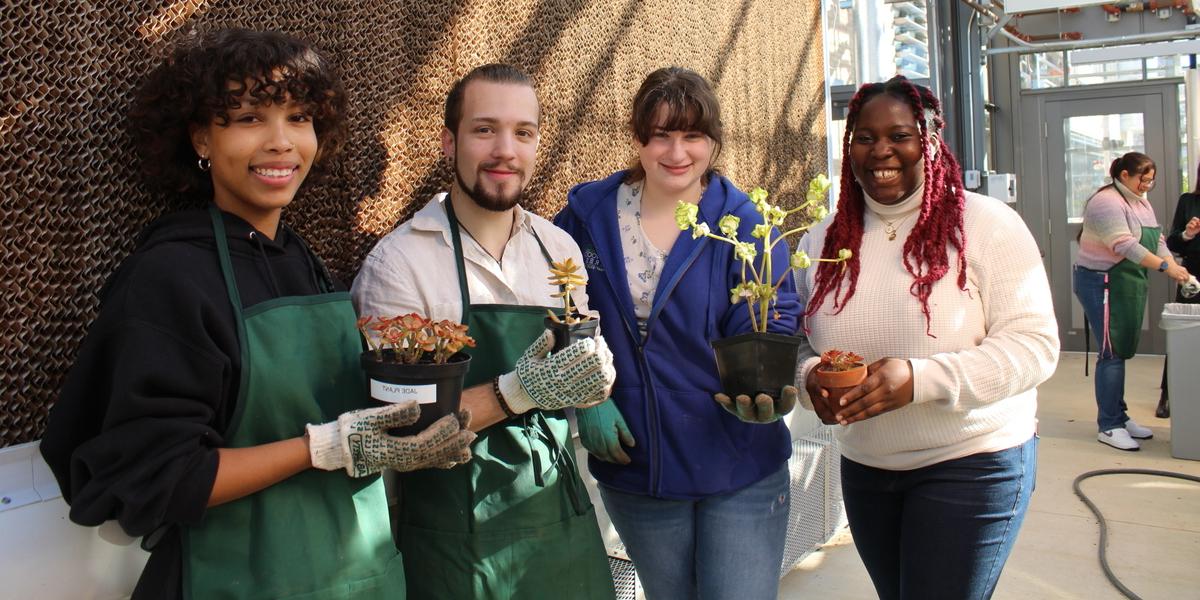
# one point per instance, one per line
(759, 286)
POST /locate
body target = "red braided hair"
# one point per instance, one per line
(940, 221)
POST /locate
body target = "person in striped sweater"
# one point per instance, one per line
(1120, 242)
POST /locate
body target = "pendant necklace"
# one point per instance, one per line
(890, 227)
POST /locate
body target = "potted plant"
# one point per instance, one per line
(410, 357)
(571, 325)
(839, 371)
(760, 362)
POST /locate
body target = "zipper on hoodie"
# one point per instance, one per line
(653, 416)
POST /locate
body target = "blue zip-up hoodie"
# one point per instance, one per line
(688, 447)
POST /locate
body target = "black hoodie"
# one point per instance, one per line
(135, 432)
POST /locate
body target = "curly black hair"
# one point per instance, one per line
(205, 75)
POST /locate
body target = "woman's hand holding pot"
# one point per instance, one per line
(820, 399)
(888, 386)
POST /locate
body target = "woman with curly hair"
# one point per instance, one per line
(218, 394)
(946, 297)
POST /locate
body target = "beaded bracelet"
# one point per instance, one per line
(500, 398)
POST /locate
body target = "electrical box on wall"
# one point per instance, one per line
(971, 179)
(1002, 186)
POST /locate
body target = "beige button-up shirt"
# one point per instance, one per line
(412, 268)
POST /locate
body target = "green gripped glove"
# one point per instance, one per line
(602, 430)
(580, 374)
(359, 441)
(764, 409)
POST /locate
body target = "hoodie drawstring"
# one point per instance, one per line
(267, 262)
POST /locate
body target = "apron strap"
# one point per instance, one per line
(218, 225)
(464, 289)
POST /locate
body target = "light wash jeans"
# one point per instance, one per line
(721, 547)
(942, 531)
(1110, 370)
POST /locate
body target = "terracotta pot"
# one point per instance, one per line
(436, 387)
(756, 363)
(840, 382)
(565, 335)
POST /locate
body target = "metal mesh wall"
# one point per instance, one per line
(70, 203)
(816, 509)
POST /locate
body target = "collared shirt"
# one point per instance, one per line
(412, 269)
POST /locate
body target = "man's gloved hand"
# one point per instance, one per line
(602, 430)
(580, 374)
(359, 442)
(764, 409)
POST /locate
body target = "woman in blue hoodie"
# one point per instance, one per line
(692, 489)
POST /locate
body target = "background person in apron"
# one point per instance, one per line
(1118, 246)
(222, 336)
(515, 522)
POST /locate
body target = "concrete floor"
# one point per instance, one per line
(1154, 522)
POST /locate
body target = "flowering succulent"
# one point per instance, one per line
(565, 274)
(759, 286)
(838, 360)
(413, 337)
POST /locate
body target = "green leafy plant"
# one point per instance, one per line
(759, 286)
(838, 360)
(565, 274)
(412, 338)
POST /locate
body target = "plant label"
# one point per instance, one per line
(396, 393)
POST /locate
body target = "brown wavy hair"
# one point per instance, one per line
(205, 75)
(940, 221)
(691, 103)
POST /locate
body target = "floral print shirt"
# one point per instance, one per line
(643, 261)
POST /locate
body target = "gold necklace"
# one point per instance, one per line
(890, 227)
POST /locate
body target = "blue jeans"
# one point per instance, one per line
(1110, 369)
(726, 546)
(942, 531)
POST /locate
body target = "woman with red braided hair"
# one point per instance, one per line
(946, 296)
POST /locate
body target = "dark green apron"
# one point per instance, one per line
(515, 521)
(317, 534)
(1128, 285)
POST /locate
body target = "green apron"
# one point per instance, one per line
(317, 534)
(1127, 288)
(515, 521)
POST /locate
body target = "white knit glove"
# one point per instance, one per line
(581, 373)
(359, 442)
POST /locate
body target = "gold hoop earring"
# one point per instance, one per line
(203, 163)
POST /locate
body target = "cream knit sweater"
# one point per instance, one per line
(974, 383)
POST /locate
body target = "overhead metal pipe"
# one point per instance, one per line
(1122, 40)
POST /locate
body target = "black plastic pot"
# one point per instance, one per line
(756, 363)
(437, 387)
(565, 335)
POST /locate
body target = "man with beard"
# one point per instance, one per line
(515, 522)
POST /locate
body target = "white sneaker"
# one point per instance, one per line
(1118, 438)
(1138, 432)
